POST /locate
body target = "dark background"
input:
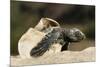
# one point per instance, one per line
(27, 14)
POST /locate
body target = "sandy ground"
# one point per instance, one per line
(86, 55)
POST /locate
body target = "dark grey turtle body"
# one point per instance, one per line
(57, 35)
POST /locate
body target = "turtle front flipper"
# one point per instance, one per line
(45, 43)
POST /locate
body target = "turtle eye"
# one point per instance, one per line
(79, 35)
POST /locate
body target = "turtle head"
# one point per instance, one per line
(75, 35)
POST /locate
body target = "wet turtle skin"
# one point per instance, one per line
(57, 35)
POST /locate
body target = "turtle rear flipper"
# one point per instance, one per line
(45, 44)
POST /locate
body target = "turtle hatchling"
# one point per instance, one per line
(57, 35)
(48, 35)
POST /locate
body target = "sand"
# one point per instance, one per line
(86, 55)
